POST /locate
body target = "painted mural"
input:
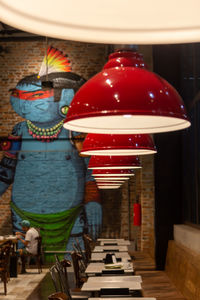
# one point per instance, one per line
(52, 186)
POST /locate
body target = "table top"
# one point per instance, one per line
(123, 298)
(117, 243)
(110, 248)
(94, 268)
(5, 238)
(97, 286)
(134, 278)
(99, 256)
(110, 240)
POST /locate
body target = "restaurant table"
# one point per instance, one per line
(109, 240)
(110, 248)
(123, 284)
(122, 298)
(5, 238)
(134, 278)
(99, 256)
(101, 269)
(115, 242)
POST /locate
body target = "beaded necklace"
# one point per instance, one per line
(44, 134)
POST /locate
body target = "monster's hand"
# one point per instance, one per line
(93, 209)
(10, 146)
(7, 171)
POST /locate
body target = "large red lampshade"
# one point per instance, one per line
(126, 98)
(118, 144)
(116, 173)
(114, 162)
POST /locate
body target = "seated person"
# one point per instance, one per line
(29, 240)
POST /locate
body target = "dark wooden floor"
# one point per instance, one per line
(155, 283)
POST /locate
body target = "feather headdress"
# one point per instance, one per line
(54, 61)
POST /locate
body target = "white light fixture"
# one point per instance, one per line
(115, 175)
(109, 181)
(113, 21)
(106, 187)
(111, 178)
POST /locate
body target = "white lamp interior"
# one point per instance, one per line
(107, 21)
(127, 124)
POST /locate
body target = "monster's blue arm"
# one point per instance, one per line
(93, 206)
(11, 146)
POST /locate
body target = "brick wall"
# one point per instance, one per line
(24, 58)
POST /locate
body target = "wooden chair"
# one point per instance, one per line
(80, 278)
(88, 243)
(55, 278)
(58, 296)
(79, 250)
(37, 257)
(5, 250)
(83, 261)
(61, 283)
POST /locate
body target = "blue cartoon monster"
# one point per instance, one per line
(52, 186)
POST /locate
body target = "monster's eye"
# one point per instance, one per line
(15, 94)
(64, 109)
(37, 95)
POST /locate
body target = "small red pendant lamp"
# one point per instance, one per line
(109, 181)
(114, 162)
(107, 187)
(118, 144)
(116, 173)
(111, 178)
(126, 98)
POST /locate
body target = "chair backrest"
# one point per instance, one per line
(5, 250)
(63, 264)
(58, 296)
(55, 278)
(114, 271)
(114, 291)
(83, 261)
(62, 275)
(87, 243)
(76, 257)
(39, 245)
(81, 252)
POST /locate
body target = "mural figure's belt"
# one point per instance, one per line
(55, 228)
(76, 234)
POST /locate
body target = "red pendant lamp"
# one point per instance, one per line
(114, 162)
(116, 173)
(118, 144)
(126, 98)
(109, 181)
(111, 178)
(107, 187)
(99, 180)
